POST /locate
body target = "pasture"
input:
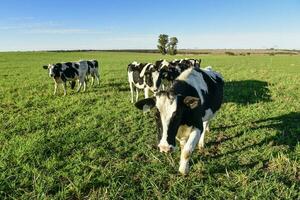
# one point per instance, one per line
(97, 145)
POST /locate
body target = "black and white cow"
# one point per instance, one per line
(93, 70)
(68, 71)
(143, 76)
(184, 111)
(171, 70)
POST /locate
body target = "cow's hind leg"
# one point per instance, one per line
(93, 78)
(84, 86)
(131, 91)
(64, 87)
(187, 150)
(79, 85)
(205, 128)
(97, 77)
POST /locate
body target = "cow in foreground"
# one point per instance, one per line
(68, 71)
(184, 111)
(143, 76)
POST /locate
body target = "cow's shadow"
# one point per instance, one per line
(287, 127)
(246, 92)
(117, 85)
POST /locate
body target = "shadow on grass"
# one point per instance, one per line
(120, 86)
(288, 133)
(287, 126)
(246, 92)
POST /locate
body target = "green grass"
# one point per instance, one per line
(96, 145)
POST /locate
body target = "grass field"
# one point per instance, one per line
(96, 145)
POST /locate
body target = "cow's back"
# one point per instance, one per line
(208, 86)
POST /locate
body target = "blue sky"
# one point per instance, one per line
(130, 24)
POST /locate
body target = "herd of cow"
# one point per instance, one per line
(186, 97)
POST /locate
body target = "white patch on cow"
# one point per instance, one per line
(195, 79)
(164, 63)
(144, 70)
(155, 76)
(166, 108)
(135, 63)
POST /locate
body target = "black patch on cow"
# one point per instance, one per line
(96, 63)
(136, 78)
(72, 84)
(76, 65)
(70, 72)
(213, 99)
(90, 64)
(158, 124)
(57, 68)
(69, 64)
(136, 71)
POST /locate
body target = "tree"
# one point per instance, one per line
(172, 46)
(163, 40)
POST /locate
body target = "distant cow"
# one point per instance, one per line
(143, 76)
(93, 70)
(68, 71)
(184, 111)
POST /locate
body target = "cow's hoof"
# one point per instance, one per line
(184, 171)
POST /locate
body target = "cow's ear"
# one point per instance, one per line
(200, 61)
(45, 66)
(145, 104)
(191, 102)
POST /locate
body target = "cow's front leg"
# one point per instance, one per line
(55, 88)
(64, 87)
(187, 150)
(146, 90)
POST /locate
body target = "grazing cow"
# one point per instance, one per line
(143, 76)
(184, 111)
(68, 71)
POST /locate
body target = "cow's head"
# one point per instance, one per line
(167, 70)
(53, 69)
(170, 110)
(151, 76)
